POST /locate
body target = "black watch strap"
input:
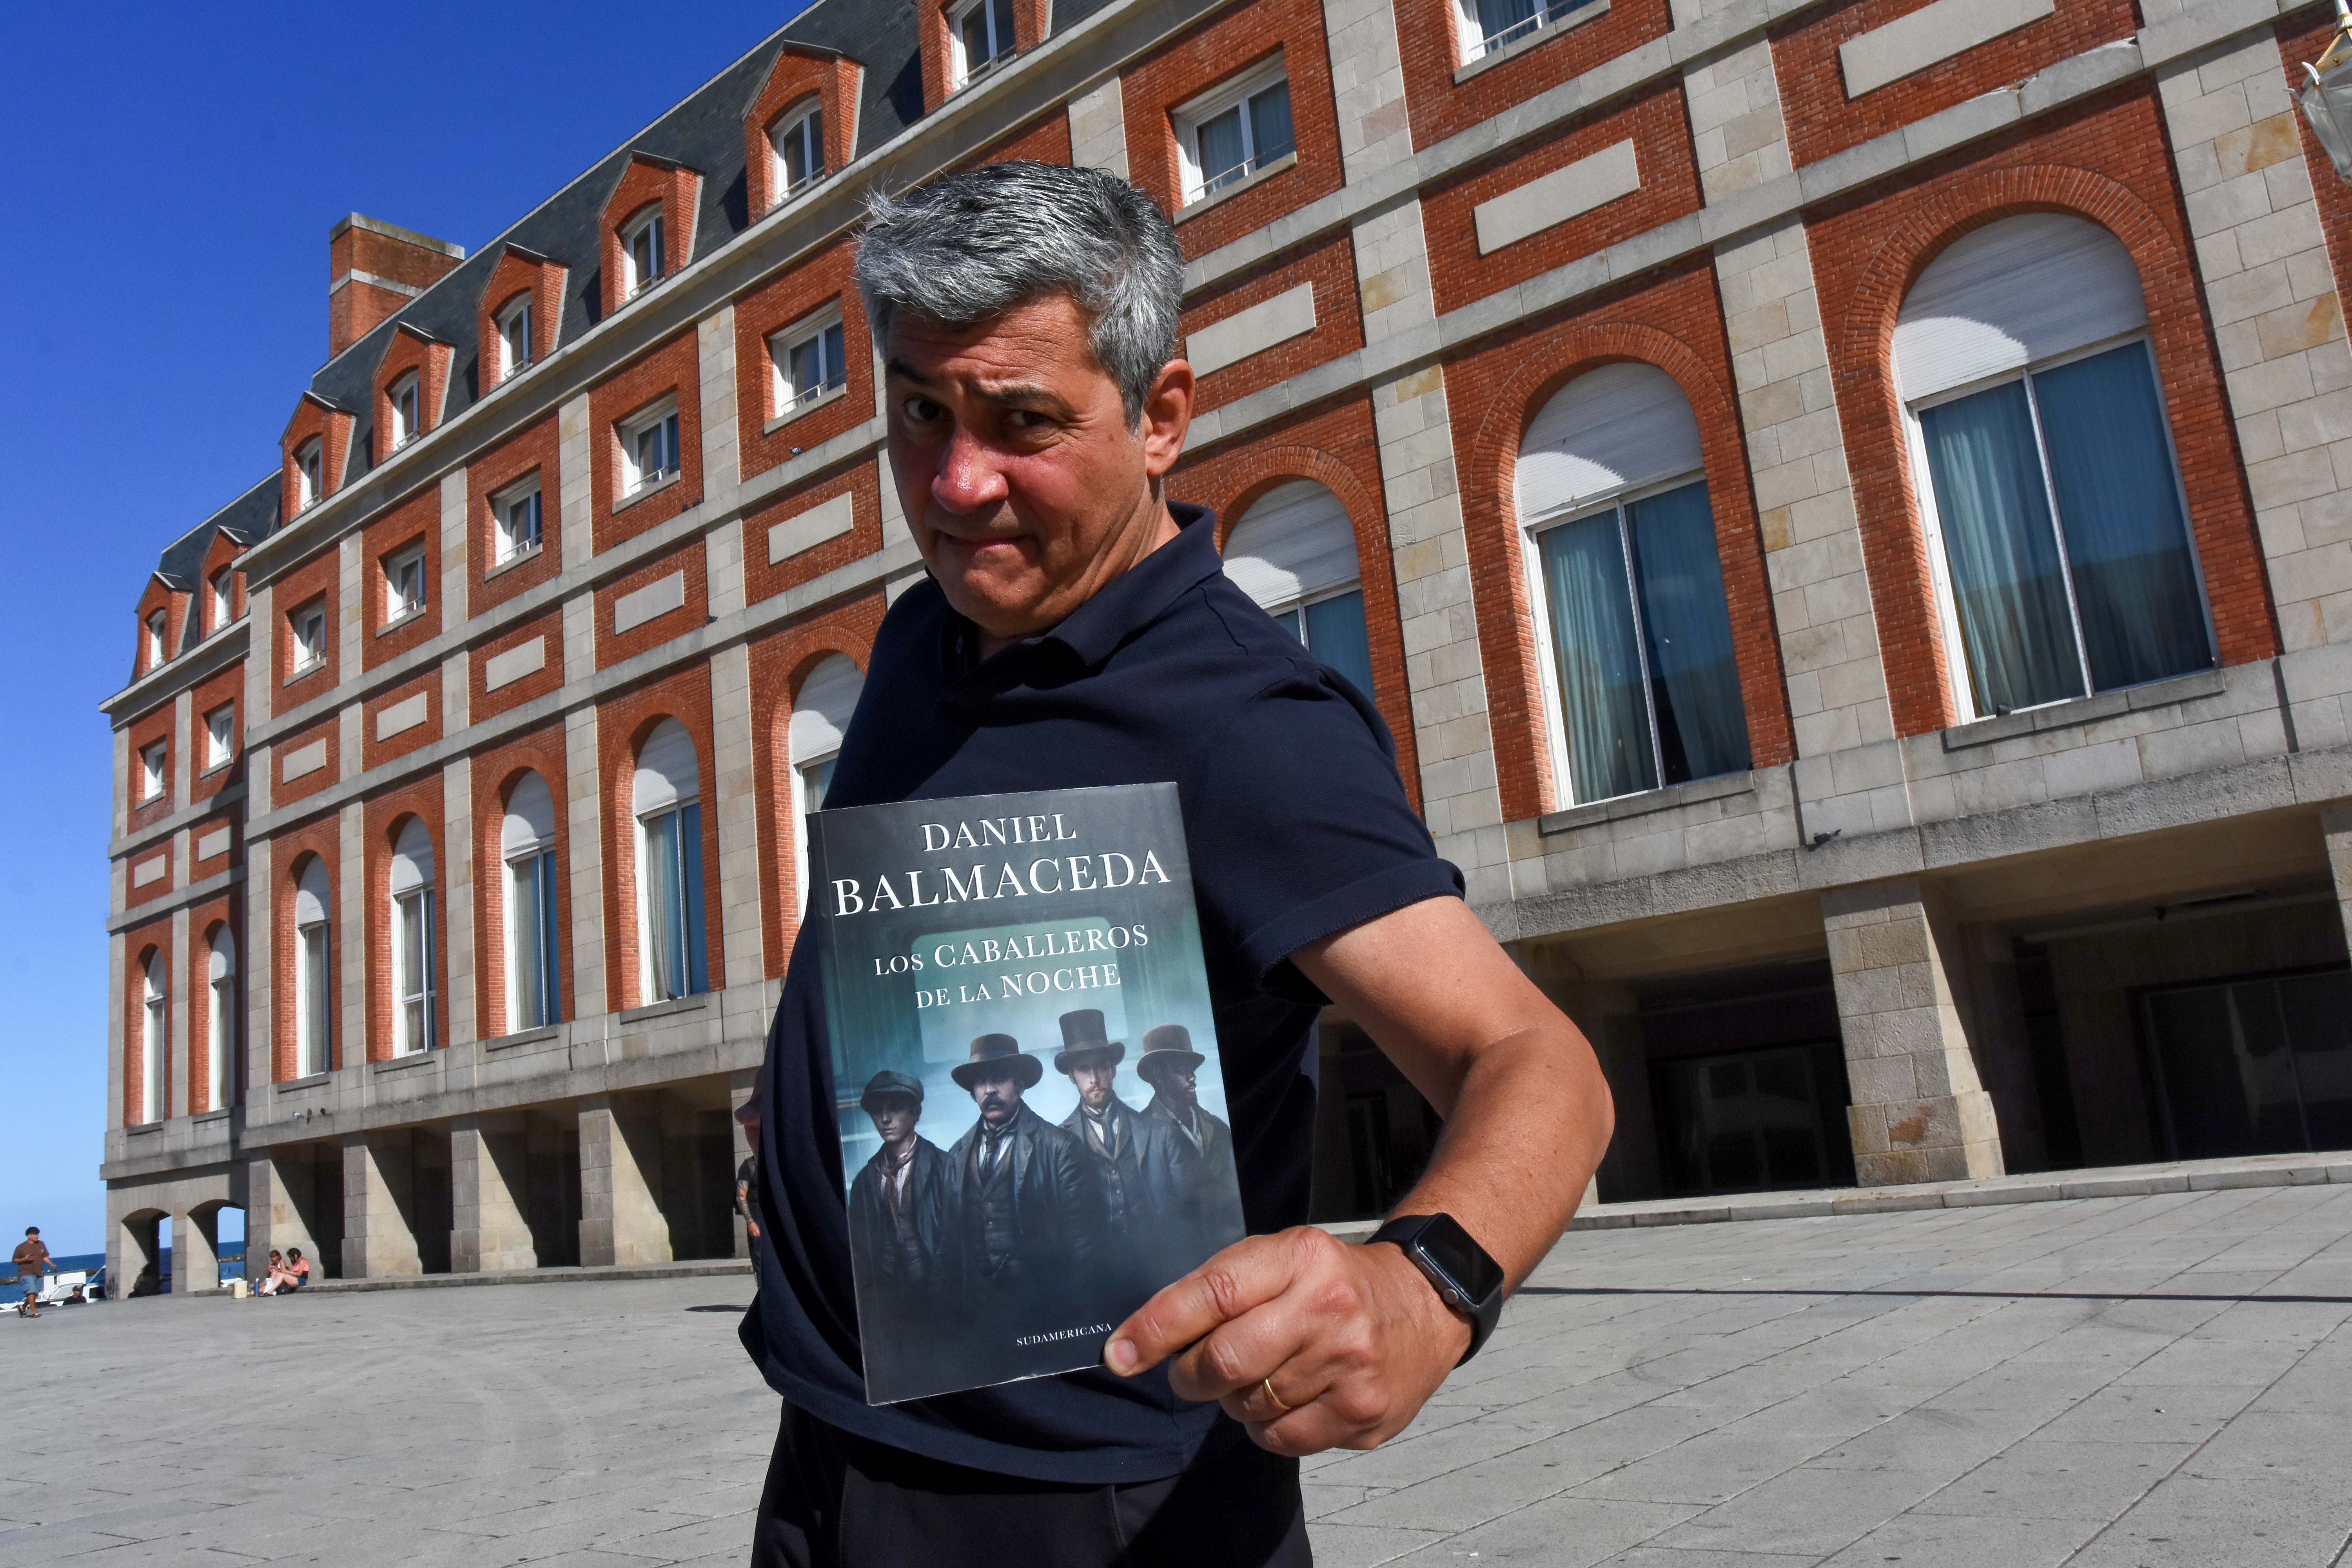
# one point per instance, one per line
(1465, 1275)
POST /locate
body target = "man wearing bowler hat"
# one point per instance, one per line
(1135, 1168)
(1201, 1146)
(1024, 1209)
(897, 1205)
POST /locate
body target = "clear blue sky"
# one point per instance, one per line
(170, 172)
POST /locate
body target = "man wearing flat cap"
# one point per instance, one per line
(897, 1205)
(1023, 1204)
(1201, 1147)
(1135, 1165)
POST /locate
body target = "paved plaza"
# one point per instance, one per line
(2151, 1380)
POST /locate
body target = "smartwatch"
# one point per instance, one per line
(1464, 1277)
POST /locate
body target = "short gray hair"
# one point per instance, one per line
(970, 247)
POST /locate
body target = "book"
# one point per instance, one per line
(1033, 1127)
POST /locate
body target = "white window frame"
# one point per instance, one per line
(154, 1040)
(154, 760)
(414, 1025)
(635, 276)
(223, 586)
(507, 543)
(405, 398)
(309, 473)
(220, 736)
(220, 1026)
(1618, 500)
(523, 882)
(309, 625)
(1477, 46)
(158, 626)
(401, 567)
(999, 49)
(1923, 489)
(633, 477)
(1187, 118)
(314, 1016)
(790, 400)
(514, 329)
(796, 122)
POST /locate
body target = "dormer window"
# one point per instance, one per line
(404, 584)
(809, 362)
(799, 140)
(309, 626)
(404, 400)
(514, 337)
(156, 625)
(981, 32)
(309, 473)
(151, 771)
(1236, 129)
(649, 447)
(641, 251)
(516, 513)
(223, 597)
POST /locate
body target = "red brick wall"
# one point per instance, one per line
(290, 854)
(690, 558)
(386, 817)
(195, 984)
(333, 427)
(642, 183)
(1674, 320)
(1820, 118)
(199, 866)
(2107, 162)
(411, 351)
(1337, 448)
(1044, 139)
(416, 520)
(780, 660)
(785, 298)
(317, 581)
(1431, 49)
(282, 792)
(156, 725)
(483, 704)
(1653, 121)
(529, 451)
(671, 369)
(861, 483)
(1222, 48)
(374, 752)
(793, 79)
(176, 608)
(356, 308)
(1331, 268)
(622, 724)
(517, 274)
(497, 770)
(143, 944)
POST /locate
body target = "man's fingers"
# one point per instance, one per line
(1253, 1270)
(1234, 1357)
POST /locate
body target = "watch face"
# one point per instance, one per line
(1461, 1260)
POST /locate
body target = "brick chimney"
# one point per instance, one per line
(377, 268)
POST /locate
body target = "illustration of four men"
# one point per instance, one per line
(1022, 1225)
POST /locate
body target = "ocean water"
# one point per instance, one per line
(232, 1263)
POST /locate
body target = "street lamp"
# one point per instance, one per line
(2327, 99)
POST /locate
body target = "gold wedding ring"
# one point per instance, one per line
(1267, 1384)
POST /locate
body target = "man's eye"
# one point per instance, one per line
(923, 408)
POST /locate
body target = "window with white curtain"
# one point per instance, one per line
(151, 763)
(156, 623)
(308, 625)
(798, 137)
(223, 597)
(153, 1040)
(1487, 26)
(526, 847)
(809, 360)
(1234, 129)
(514, 336)
(220, 736)
(404, 584)
(1294, 552)
(413, 979)
(314, 1032)
(308, 473)
(649, 446)
(820, 711)
(405, 424)
(666, 804)
(516, 514)
(2044, 469)
(641, 251)
(1621, 548)
(980, 34)
(220, 1021)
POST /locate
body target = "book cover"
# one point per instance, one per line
(1034, 1132)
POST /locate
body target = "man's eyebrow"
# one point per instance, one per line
(1016, 394)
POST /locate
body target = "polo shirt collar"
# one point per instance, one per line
(1124, 605)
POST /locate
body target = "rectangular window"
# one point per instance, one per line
(1231, 132)
(2065, 548)
(514, 337)
(308, 473)
(516, 512)
(799, 141)
(156, 625)
(224, 598)
(220, 735)
(1641, 644)
(809, 360)
(315, 1024)
(220, 1039)
(403, 399)
(641, 252)
(649, 448)
(310, 628)
(152, 1044)
(981, 32)
(413, 1020)
(675, 961)
(1490, 25)
(404, 584)
(151, 771)
(533, 937)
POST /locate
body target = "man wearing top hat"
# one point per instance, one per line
(1201, 1146)
(1135, 1165)
(1022, 1201)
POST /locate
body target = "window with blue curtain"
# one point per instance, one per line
(534, 923)
(674, 903)
(1294, 554)
(2050, 478)
(1502, 22)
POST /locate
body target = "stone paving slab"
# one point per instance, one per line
(2151, 1381)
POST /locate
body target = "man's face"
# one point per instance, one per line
(998, 1098)
(1027, 485)
(1093, 1077)
(1177, 1083)
(894, 1116)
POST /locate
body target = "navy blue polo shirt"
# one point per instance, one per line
(1298, 829)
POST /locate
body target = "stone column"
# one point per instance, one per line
(460, 981)
(1098, 129)
(379, 1176)
(714, 337)
(732, 726)
(196, 1251)
(490, 1183)
(134, 1251)
(620, 1219)
(350, 932)
(583, 841)
(1920, 1112)
(2336, 824)
(278, 1191)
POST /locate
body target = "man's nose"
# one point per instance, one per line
(968, 479)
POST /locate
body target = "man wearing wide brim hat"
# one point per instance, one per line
(1201, 1145)
(996, 1056)
(899, 1231)
(1023, 1203)
(1135, 1168)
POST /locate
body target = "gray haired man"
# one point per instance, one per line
(1077, 630)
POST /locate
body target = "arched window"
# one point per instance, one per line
(309, 473)
(314, 1032)
(667, 806)
(1620, 543)
(527, 845)
(820, 711)
(153, 1041)
(412, 941)
(798, 137)
(1294, 552)
(220, 1021)
(2059, 532)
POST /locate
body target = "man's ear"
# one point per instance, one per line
(1167, 414)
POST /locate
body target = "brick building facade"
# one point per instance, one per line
(1836, 499)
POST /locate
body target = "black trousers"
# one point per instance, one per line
(836, 1501)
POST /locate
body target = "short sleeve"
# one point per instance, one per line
(1304, 829)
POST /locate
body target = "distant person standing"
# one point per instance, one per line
(32, 1262)
(745, 1174)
